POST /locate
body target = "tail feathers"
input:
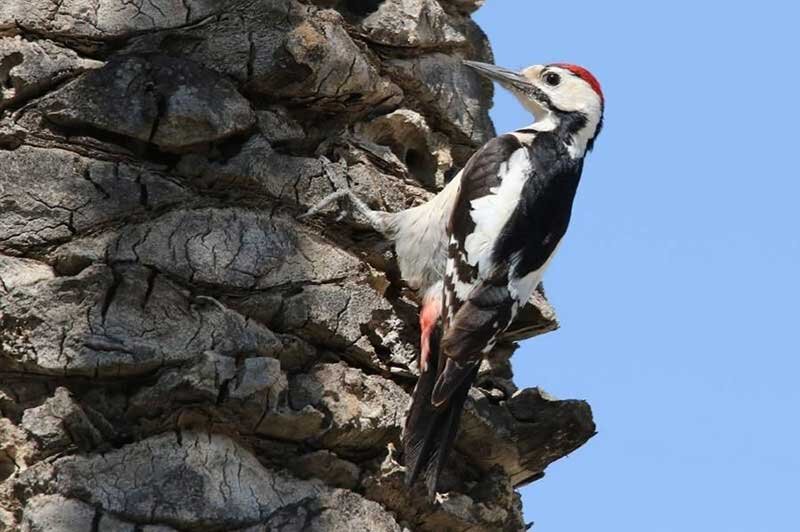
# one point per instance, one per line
(431, 430)
(446, 435)
(422, 421)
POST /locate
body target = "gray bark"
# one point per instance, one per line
(177, 350)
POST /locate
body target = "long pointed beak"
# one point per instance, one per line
(504, 76)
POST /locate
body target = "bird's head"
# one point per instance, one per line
(566, 95)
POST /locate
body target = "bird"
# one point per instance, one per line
(478, 249)
(512, 208)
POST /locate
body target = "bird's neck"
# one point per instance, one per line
(575, 130)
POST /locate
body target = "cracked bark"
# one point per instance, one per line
(177, 350)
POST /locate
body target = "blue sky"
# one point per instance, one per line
(676, 285)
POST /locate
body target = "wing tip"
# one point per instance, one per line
(450, 380)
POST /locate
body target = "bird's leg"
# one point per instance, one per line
(377, 219)
(324, 202)
(428, 316)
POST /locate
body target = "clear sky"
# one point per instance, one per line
(677, 284)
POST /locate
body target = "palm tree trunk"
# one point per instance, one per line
(177, 350)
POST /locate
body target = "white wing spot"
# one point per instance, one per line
(491, 212)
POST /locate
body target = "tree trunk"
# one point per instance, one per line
(177, 350)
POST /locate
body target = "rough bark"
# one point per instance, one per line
(177, 350)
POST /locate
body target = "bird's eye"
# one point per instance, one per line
(552, 79)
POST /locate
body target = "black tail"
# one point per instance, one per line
(430, 431)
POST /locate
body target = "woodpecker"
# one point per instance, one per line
(508, 216)
(478, 249)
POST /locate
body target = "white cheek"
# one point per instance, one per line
(567, 97)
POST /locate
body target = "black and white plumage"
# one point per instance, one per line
(512, 209)
(478, 249)
(509, 218)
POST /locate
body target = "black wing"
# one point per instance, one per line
(502, 278)
(430, 430)
(483, 294)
